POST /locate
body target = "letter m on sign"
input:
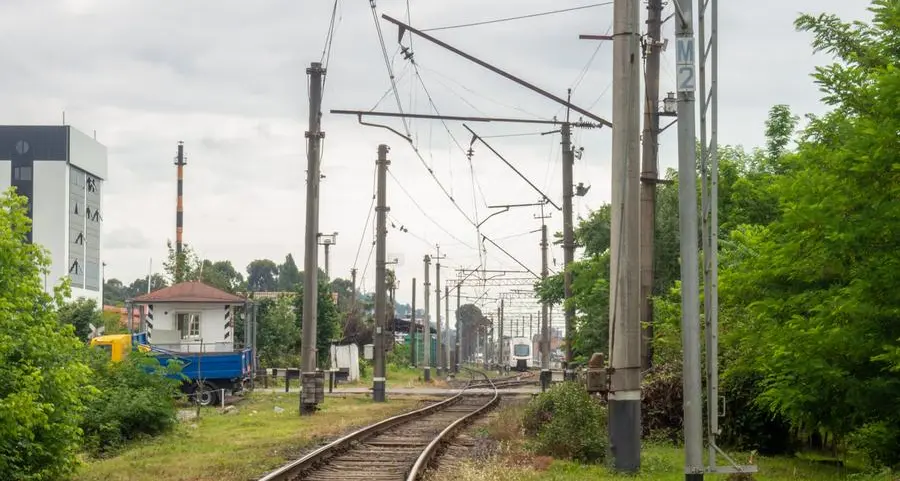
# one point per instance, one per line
(684, 51)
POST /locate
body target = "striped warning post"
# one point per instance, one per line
(229, 327)
(149, 321)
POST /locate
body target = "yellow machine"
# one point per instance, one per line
(117, 345)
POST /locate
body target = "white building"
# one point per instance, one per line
(61, 171)
(190, 317)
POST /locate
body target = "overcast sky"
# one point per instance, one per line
(228, 78)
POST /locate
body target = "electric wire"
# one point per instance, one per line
(368, 218)
(418, 206)
(520, 17)
(405, 123)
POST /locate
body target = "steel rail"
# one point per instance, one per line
(429, 452)
(323, 453)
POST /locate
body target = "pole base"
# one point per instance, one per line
(378, 394)
(308, 409)
(693, 477)
(625, 434)
(546, 375)
(427, 374)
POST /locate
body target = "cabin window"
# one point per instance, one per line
(188, 324)
(520, 350)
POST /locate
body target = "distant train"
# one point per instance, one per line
(519, 350)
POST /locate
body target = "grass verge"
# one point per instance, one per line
(510, 460)
(238, 446)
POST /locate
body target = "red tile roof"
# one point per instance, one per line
(190, 292)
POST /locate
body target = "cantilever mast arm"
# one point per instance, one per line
(404, 27)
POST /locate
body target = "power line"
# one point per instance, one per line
(368, 218)
(430, 219)
(520, 17)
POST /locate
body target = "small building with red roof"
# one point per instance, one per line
(190, 317)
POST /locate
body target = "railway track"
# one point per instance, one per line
(398, 448)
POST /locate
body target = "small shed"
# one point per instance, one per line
(190, 317)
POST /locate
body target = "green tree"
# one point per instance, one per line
(221, 275)
(81, 314)
(328, 326)
(289, 276)
(816, 290)
(138, 287)
(114, 292)
(262, 275)
(42, 383)
(181, 267)
(279, 332)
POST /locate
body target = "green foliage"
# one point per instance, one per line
(42, 382)
(221, 275)
(262, 275)
(399, 356)
(278, 336)
(181, 267)
(328, 327)
(565, 422)
(289, 276)
(81, 314)
(112, 323)
(136, 399)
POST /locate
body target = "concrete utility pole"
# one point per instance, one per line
(545, 325)
(650, 172)
(381, 210)
(687, 209)
(456, 364)
(308, 404)
(353, 277)
(327, 240)
(625, 320)
(439, 348)
(180, 162)
(568, 238)
(426, 323)
(413, 327)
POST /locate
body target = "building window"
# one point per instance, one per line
(22, 173)
(188, 324)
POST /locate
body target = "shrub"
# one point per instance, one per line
(136, 399)
(399, 357)
(662, 407)
(43, 381)
(564, 422)
(878, 442)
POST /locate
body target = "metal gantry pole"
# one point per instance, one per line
(625, 320)
(439, 351)
(650, 172)
(458, 334)
(568, 240)
(413, 327)
(381, 210)
(308, 404)
(426, 323)
(687, 202)
(447, 368)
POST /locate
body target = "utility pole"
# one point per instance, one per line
(426, 323)
(458, 334)
(625, 321)
(500, 341)
(381, 210)
(447, 361)
(687, 208)
(650, 172)
(353, 277)
(545, 325)
(568, 239)
(439, 351)
(308, 402)
(327, 240)
(180, 162)
(413, 327)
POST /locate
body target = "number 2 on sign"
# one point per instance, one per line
(686, 81)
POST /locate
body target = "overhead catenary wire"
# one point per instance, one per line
(368, 218)
(405, 123)
(418, 206)
(520, 17)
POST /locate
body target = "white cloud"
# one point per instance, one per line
(228, 78)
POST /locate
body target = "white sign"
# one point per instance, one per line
(684, 57)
